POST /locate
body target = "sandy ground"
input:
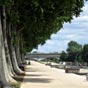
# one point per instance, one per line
(41, 76)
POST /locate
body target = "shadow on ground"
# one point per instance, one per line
(31, 70)
(19, 78)
(37, 80)
(81, 73)
(34, 70)
(33, 75)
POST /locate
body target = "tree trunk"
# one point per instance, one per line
(4, 76)
(17, 70)
(9, 64)
(15, 64)
(22, 57)
(17, 48)
(21, 48)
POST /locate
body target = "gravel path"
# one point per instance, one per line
(41, 76)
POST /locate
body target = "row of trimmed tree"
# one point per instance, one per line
(75, 53)
(10, 57)
(26, 23)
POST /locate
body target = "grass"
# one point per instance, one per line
(19, 79)
(17, 85)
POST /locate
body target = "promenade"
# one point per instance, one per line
(42, 76)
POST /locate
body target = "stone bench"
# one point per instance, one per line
(48, 64)
(72, 69)
(56, 66)
(59, 66)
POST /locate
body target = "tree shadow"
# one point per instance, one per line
(31, 70)
(18, 78)
(34, 70)
(33, 75)
(37, 80)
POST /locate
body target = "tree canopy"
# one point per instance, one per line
(26, 23)
(85, 53)
(75, 52)
(74, 49)
(63, 56)
(36, 20)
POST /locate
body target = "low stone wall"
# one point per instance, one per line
(72, 69)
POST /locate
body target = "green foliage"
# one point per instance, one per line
(38, 19)
(42, 18)
(74, 49)
(43, 60)
(15, 85)
(75, 53)
(6, 2)
(63, 56)
(85, 53)
(53, 60)
(50, 60)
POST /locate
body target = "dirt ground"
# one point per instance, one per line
(42, 76)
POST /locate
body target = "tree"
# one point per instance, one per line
(85, 53)
(29, 23)
(74, 49)
(45, 18)
(63, 56)
(42, 18)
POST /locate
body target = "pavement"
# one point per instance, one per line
(83, 70)
(41, 76)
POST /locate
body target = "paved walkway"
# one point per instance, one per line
(41, 76)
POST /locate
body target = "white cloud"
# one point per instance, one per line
(85, 9)
(82, 19)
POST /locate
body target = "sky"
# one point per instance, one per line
(77, 31)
